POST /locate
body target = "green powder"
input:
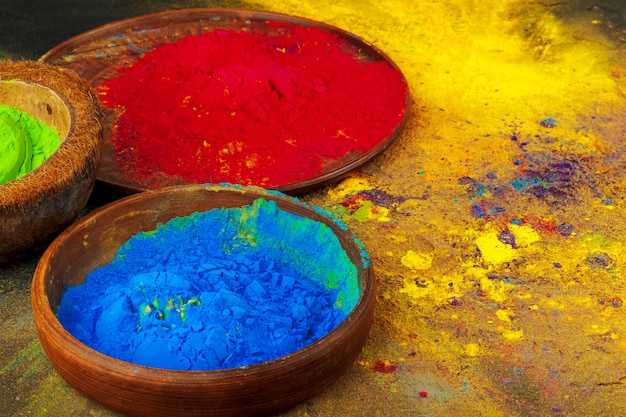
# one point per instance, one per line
(25, 143)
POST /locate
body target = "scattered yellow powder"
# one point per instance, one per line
(505, 315)
(493, 250)
(525, 235)
(513, 335)
(417, 260)
(472, 349)
(348, 186)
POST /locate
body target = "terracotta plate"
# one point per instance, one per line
(98, 54)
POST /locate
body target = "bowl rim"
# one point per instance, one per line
(46, 318)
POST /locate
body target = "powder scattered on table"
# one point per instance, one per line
(252, 109)
(218, 289)
(25, 143)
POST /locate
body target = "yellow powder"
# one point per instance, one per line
(505, 315)
(525, 235)
(472, 349)
(497, 291)
(513, 335)
(417, 260)
(493, 250)
(348, 186)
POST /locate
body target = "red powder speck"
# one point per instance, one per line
(353, 202)
(537, 223)
(380, 366)
(423, 394)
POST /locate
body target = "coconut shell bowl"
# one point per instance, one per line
(258, 389)
(36, 206)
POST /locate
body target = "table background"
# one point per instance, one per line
(497, 240)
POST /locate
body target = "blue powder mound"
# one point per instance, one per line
(218, 289)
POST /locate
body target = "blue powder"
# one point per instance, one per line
(218, 289)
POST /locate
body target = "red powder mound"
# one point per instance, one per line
(239, 107)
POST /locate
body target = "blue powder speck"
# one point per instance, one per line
(607, 201)
(218, 289)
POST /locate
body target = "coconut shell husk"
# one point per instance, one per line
(37, 205)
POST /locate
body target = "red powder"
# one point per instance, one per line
(239, 107)
(380, 366)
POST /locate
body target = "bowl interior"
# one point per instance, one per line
(88, 245)
(38, 101)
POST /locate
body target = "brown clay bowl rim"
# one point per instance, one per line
(68, 54)
(44, 314)
(81, 145)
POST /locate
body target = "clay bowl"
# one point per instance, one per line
(36, 206)
(135, 390)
